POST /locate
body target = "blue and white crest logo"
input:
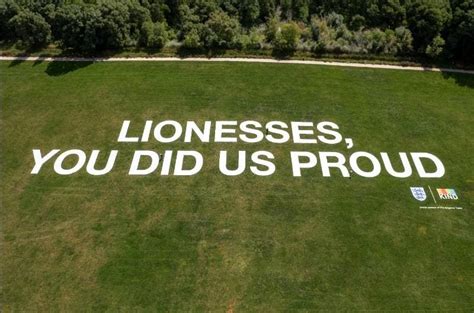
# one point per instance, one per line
(418, 193)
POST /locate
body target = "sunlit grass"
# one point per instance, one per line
(247, 243)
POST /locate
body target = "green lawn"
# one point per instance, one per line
(245, 243)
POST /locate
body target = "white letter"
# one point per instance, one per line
(417, 156)
(108, 167)
(269, 165)
(271, 129)
(155, 160)
(58, 164)
(198, 162)
(220, 131)
(203, 135)
(39, 160)
(123, 133)
(325, 165)
(223, 164)
(244, 126)
(178, 130)
(355, 166)
(147, 131)
(322, 129)
(298, 165)
(166, 163)
(297, 132)
(389, 168)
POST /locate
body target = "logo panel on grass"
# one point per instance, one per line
(447, 194)
(418, 193)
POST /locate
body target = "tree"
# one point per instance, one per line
(286, 9)
(188, 19)
(421, 27)
(77, 26)
(157, 8)
(155, 35)
(31, 28)
(8, 9)
(426, 20)
(114, 31)
(267, 9)
(87, 27)
(461, 30)
(385, 13)
(249, 12)
(138, 15)
(301, 10)
(221, 30)
(204, 8)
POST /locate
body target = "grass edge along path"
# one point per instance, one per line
(247, 60)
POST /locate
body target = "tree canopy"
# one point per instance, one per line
(431, 28)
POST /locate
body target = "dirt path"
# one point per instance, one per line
(246, 60)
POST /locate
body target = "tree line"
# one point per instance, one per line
(428, 28)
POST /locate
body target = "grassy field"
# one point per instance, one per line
(236, 244)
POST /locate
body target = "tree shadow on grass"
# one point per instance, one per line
(16, 62)
(58, 68)
(21, 57)
(461, 79)
(40, 60)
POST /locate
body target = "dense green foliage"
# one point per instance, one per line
(30, 28)
(286, 37)
(155, 35)
(212, 243)
(433, 28)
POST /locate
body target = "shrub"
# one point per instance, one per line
(319, 47)
(335, 37)
(287, 37)
(272, 28)
(376, 40)
(435, 48)
(306, 33)
(357, 22)
(335, 20)
(319, 27)
(253, 40)
(404, 40)
(192, 40)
